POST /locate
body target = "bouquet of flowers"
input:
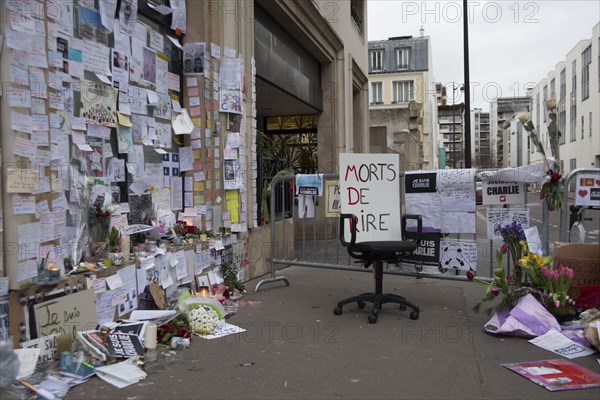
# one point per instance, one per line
(551, 189)
(178, 326)
(550, 286)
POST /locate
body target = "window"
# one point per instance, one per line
(553, 89)
(537, 110)
(590, 124)
(586, 60)
(573, 102)
(545, 98)
(402, 58)
(562, 113)
(376, 60)
(357, 12)
(403, 91)
(582, 126)
(376, 92)
(574, 80)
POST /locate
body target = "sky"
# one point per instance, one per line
(512, 44)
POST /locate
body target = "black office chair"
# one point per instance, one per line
(376, 252)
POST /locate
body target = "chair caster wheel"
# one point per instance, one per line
(414, 315)
(360, 304)
(337, 311)
(402, 307)
(372, 319)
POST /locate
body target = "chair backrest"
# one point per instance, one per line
(395, 250)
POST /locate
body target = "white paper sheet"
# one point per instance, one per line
(559, 344)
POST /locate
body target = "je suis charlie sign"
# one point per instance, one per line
(502, 192)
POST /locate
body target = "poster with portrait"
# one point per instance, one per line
(128, 16)
(149, 66)
(232, 174)
(98, 103)
(94, 158)
(120, 70)
(193, 58)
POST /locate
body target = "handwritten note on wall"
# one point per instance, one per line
(498, 218)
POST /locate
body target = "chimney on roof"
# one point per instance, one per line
(422, 31)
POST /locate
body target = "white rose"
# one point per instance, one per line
(551, 104)
(523, 117)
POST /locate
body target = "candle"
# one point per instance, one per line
(150, 336)
(125, 246)
(203, 291)
(53, 271)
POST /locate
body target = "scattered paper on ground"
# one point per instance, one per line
(558, 343)
(223, 329)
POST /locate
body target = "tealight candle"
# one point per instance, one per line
(53, 271)
(203, 291)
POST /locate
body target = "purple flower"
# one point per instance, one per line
(495, 291)
(504, 248)
(509, 277)
(470, 275)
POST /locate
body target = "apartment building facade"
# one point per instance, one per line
(575, 85)
(402, 99)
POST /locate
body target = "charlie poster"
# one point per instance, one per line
(98, 103)
(370, 189)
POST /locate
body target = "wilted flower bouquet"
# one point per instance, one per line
(551, 189)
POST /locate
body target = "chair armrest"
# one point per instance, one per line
(414, 236)
(352, 219)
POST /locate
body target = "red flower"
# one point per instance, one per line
(554, 177)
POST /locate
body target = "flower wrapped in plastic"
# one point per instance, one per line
(204, 313)
(203, 319)
(552, 185)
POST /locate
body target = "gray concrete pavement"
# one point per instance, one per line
(296, 348)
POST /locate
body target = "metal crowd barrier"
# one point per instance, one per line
(564, 224)
(323, 249)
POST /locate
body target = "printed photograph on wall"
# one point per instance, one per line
(90, 25)
(193, 58)
(120, 70)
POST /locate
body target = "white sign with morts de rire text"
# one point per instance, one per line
(501, 192)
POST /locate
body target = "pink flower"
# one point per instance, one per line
(495, 291)
(509, 277)
(504, 248)
(546, 272)
(569, 273)
(470, 275)
(557, 303)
